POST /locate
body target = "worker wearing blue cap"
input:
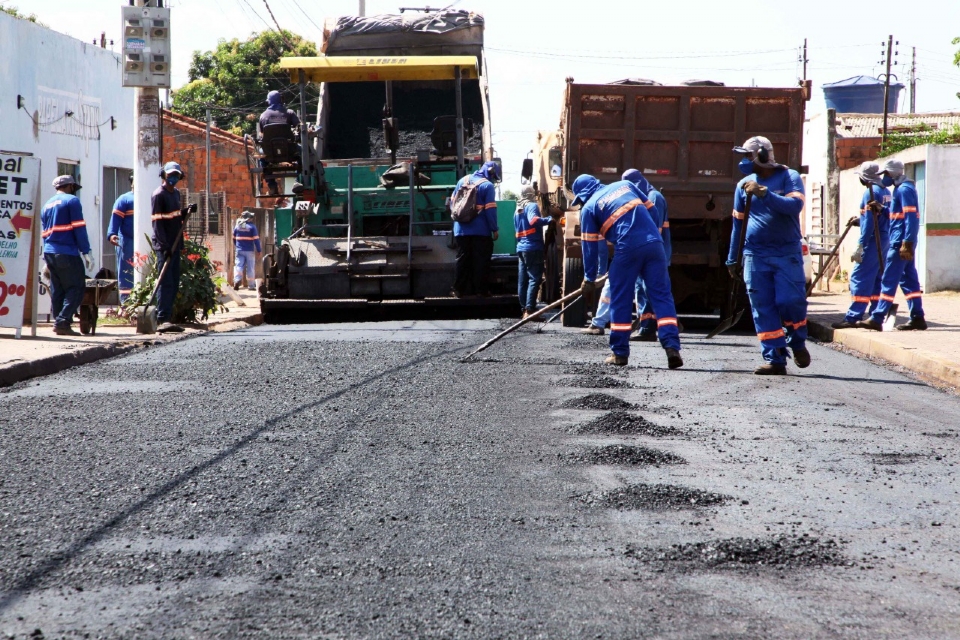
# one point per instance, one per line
(275, 113)
(168, 219)
(475, 238)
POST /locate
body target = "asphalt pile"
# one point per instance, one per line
(595, 382)
(594, 369)
(894, 458)
(601, 401)
(623, 423)
(412, 140)
(779, 551)
(654, 497)
(627, 455)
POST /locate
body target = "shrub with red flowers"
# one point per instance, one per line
(199, 294)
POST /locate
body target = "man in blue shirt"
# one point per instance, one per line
(275, 113)
(900, 267)
(475, 238)
(120, 235)
(66, 250)
(528, 225)
(618, 214)
(246, 241)
(168, 219)
(772, 255)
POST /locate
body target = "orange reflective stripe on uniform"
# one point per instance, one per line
(666, 225)
(861, 298)
(874, 298)
(490, 205)
(771, 335)
(78, 223)
(166, 216)
(884, 296)
(528, 232)
(591, 237)
(622, 211)
(910, 209)
(897, 216)
(648, 316)
(617, 326)
(914, 295)
(662, 322)
(796, 325)
(605, 299)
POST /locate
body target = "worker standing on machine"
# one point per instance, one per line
(874, 223)
(275, 113)
(120, 235)
(772, 255)
(647, 320)
(900, 267)
(528, 225)
(475, 238)
(618, 213)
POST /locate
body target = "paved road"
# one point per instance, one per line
(358, 481)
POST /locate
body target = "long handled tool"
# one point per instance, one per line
(559, 313)
(533, 316)
(735, 286)
(890, 319)
(147, 320)
(830, 258)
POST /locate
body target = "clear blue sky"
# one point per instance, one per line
(532, 45)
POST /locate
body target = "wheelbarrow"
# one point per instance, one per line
(96, 291)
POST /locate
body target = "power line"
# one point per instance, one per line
(279, 30)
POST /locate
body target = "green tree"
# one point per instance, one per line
(238, 75)
(13, 11)
(510, 195)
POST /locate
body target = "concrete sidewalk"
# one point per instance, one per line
(48, 353)
(934, 354)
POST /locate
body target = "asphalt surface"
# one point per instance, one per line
(359, 481)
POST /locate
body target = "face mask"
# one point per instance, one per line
(746, 166)
(173, 179)
(887, 181)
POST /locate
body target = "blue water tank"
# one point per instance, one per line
(860, 94)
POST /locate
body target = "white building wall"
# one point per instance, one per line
(55, 73)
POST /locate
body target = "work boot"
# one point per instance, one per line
(65, 331)
(615, 360)
(869, 323)
(674, 361)
(918, 323)
(844, 325)
(643, 337)
(593, 330)
(169, 327)
(236, 285)
(801, 358)
(771, 369)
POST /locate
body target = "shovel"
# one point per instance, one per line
(735, 287)
(147, 320)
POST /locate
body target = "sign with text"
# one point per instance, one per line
(19, 208)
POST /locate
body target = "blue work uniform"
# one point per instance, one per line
(246, 242)
(904, 227)
(619, 213)
(64, 234)
(276, 113)
(121, 225)
(474, 239)
(648, 319)
(865, 278)
(528, 227)
(167, 226)
(773, 262)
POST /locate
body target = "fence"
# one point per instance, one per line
(203, 222)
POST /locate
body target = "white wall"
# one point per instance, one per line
(55, 73)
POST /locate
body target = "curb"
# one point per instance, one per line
(21, 371)
(927, 365)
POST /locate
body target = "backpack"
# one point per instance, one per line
(463, 208)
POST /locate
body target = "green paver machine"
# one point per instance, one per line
(367, 222)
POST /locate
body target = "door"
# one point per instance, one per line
(116, 182)
(920, 176)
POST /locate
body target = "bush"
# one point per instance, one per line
(919, 135)
(199, 292)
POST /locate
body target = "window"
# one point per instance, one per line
(69, 168)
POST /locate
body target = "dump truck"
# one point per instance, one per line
(681, 137)
(364, 219)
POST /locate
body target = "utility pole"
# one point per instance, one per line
(363, 8)
(913, 82)
(805, 59)
(886, 89)
(206, 217)
(147, 162)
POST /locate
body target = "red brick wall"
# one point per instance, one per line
(852, 152)
(184, 142)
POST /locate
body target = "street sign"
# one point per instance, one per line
(19, 212)
(146, 47)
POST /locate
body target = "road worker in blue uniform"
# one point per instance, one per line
(900, 267)
(168, 219)
(772, 255)
(66, 251)
(618, 213)
(646, 319)
(246, 244)
(475, 239)
(874, 222)
(528, 226)
(120, 235)
(275, 113)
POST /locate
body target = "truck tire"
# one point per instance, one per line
(576, 315)
(550, 291)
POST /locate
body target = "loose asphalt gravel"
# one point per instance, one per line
(359, 481)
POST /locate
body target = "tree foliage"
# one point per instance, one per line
(13, 11)
(918, 135)
(238, 75)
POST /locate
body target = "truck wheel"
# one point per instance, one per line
(550, 291)
(576, 315)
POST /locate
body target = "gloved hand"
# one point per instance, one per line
(854, 221)
(187, 210)
(858, 254)
(587, 287)
(735, 271)
(875, 206)
(88, 264)
(906, 251)
(754, 188)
